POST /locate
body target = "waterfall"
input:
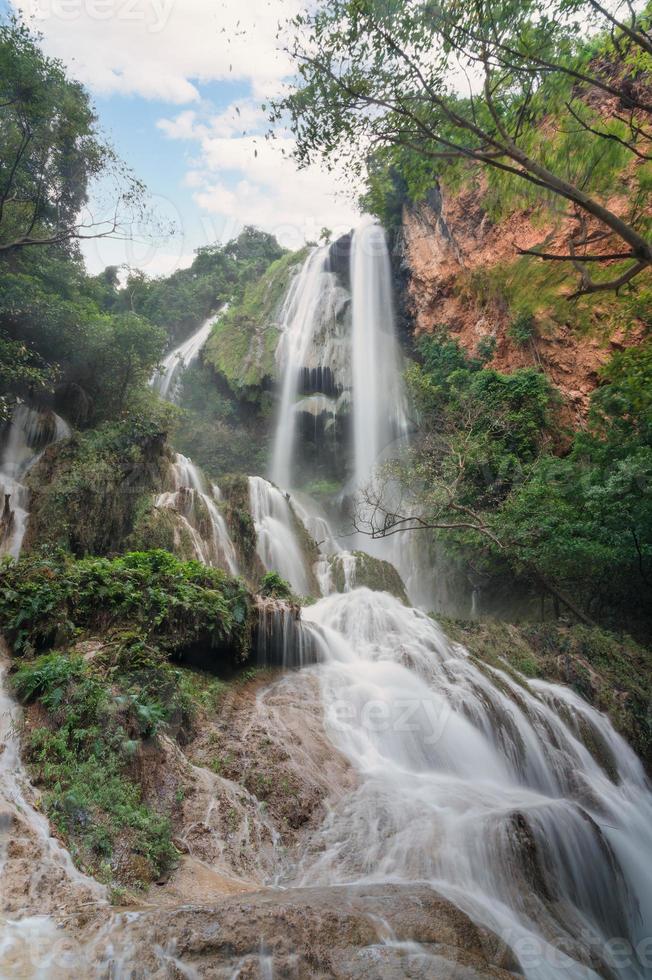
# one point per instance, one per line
(195, 503)
(279, 546)
(166, 380)
(282, 638)
(379, 407)
(28, 435)
(516, 800)
(311, 355)
(513, 798)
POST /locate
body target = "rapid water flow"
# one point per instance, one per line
(308, 348)
(195, 502)
(277, 530)
(28, 435)
(378, 399)
(512, 798)
(515, 799)
(166, 380)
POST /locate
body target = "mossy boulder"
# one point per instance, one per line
(88, 492)
(243, 343)
(162, 528)
(237, 513)
(365, 570)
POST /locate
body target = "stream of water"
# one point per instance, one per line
(166, 379)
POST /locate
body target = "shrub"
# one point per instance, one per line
(522, 328)
(92, 723)
(273, 585)
(175, 605)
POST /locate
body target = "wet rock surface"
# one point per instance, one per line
(373, 932)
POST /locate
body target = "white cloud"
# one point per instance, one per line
(167, 50)
(164, 49)
(269, 190)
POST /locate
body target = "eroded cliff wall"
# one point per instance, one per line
(466, 274)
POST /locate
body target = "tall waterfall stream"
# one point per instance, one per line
(511, 798)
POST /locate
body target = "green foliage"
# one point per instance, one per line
(582, 521)
(100, 361)
(215, 428)
(91, 726)
(485, 349)
(379, 93)
(242, 345)
(522, 329)
(88, 492)
(497, 423)
(180, 302)
(51, 149)
(273, 586)
(586, 519)
(21, 371)
(174, 605)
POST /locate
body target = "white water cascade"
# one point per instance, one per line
(512, 798)
(378, 399)
(29, 433)
(195, 502)
(515, 800)
(166, 380)
(312, 350)
(279, 546)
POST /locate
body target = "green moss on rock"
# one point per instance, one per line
(160, 528)
(372, 573)
(237, 513)
(242, 345)
(87, 493)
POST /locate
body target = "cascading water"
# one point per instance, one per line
(514, 799)
(166, 380)
(195, 502)
(311, 354)
(379, 405)
(279, 546)
(517, 801)
(29, 433)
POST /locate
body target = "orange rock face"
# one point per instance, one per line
(442, 246)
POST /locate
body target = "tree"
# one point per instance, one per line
(21, 371)
(386, 77)
(50, 153)
(481, 473)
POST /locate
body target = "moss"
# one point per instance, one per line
(537, 292)
(160, 528)
(92, 722)
(235, 492)
(613, 673)
(243, 343)
(309, 550)
(372, 573)
(87, 493)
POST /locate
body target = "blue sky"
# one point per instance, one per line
(178, 86)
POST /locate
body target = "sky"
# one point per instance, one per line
(178, 86)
